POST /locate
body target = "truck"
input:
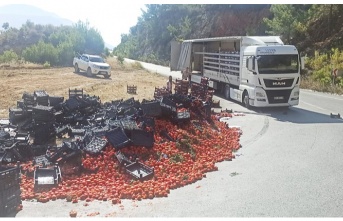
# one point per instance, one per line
(92, 65)
(259, 71)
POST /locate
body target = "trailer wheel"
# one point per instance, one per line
(227, 92)
(76, 67)
(245, 100)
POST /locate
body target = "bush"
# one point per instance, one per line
(46, 65)
(137, 65)
(120, 59)
(8, 57)
(41, 52)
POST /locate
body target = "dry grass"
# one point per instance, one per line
(308, 83)
(56, 82)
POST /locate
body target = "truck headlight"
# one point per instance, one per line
(260, 94)
(95, 66)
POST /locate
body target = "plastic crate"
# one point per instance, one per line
(42, 161)
(142, 138)
(9, 194)
(151, 109)
(118, 138)
(139, 171)
(10, 207)
(9, 176)
(123, 160)
(95, 146)
(47, 177)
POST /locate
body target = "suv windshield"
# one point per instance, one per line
(96, 59)
(277, 64)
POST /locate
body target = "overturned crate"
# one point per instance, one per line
(139, 171)
(45, 178)
(9, 190)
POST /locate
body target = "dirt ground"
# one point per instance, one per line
(14, 81)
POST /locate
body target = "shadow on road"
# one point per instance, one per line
(298, 115)
(294, 114)
(95, 76)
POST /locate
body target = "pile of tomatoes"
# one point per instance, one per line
(195, 151)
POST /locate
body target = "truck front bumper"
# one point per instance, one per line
(275, 98)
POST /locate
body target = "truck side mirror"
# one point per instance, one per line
(251, 63)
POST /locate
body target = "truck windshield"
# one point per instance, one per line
(96, 59)
(277, 64)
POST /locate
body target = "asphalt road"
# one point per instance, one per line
(290, 165)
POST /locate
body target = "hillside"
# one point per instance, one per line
(17, 15)
(309, 27)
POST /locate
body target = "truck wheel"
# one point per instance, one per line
(227, 92)
(107, 76)
(89, 72)
(246, 99)
(76, 67)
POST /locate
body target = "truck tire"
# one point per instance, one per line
(245, 99)
(76, 67)
(89, 72)
(107, 76)
(227, 92)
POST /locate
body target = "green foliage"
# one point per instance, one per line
(5, 25)
(120, 59)
(137, 65)
(41, 53)
(8, 57)
(107, 52)
(36, 41)
(323, 64)
(288, 19)
(46, 65)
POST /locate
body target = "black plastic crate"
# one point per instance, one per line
(100, 131)
(55, 101)
(142, 138)
(128, 124)
(10, 208)
(152, 109)
(123, 160)
(96, 145)
(139, 171)
(118, 138)
(9, 176)
(39, 150)
(47, 177)
(42, 161)
(10, 193)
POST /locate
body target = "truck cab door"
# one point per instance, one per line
(84, 62)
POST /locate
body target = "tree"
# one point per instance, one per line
(286, 21)
(5, 25)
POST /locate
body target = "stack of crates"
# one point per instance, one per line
(160, 92)
(10, 192)
(181, 87)
(201, 90)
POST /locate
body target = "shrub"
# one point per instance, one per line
(120, 59)
(8, 57)
(46, 65)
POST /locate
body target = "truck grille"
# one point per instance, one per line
(278, 96)
(103, 68)
(278, 83)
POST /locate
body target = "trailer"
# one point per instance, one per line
(258, 71)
